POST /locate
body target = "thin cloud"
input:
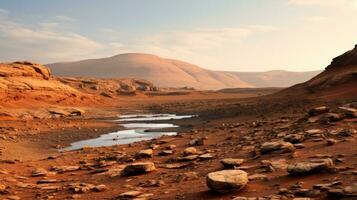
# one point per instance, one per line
(65, 18)
(314, 18)
(3, 11)
(43, 43)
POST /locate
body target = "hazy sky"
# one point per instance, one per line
(239, 35)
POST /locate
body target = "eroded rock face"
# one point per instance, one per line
(25, 69)
(227, 180)
(306, 168)
(138, 168)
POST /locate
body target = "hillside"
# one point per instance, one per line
(162, 72)
(338, 80)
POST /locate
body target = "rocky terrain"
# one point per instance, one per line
(299, 143)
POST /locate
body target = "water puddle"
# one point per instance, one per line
(139, 127)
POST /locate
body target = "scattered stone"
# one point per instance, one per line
(307, 192)
(166, 152)
(13, 197)
(190, 151)
(315, 132)
(147, 153)
(349, 112)
(277, 146)
(175, 165)
(327, 185)
(187, 176)
(227, 180)
(294, 138)
(187, 158)
(39, 172)
(343, 192)
(206, 156)
(80, 187)
(331, 141)
(232, 162)
(257, 177)
(152, 183)
(318, 110)
(305, 168)
(45, 181)
(196, 142)
(130, 194)
(138, 168)
(100, 188)
(330, 117)
(2, 189)
(62, 169)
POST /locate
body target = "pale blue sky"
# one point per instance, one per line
(237, 35)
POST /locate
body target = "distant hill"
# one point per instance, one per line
(275, 78)
(162, 72)
(173, 73)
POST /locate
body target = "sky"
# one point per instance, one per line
(234, 35)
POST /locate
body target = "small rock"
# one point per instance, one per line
(294, 138)
(190, 151)
(39, 172)
(331, 141)
(2, 189)
(257, 177)
(100, 188)
(232, 162)
(130, 194)
(318, 110)
(206, 156)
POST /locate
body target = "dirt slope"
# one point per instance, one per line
(338, 80)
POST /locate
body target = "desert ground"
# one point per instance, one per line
(295, 143)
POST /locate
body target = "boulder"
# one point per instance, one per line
(227, 180)
(306, 168)
(277, 146)
(138, 168)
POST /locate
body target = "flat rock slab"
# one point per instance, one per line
(227, 180)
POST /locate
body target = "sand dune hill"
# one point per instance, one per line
(162, 72)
